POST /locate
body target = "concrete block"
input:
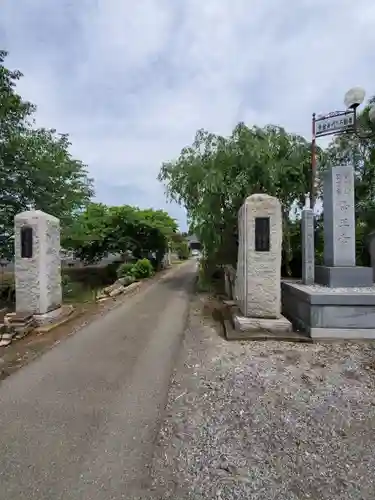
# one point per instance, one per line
(335, 277)
(343, 333)
(345, 313)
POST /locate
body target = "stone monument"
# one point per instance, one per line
(308, 248)
(257, 288)
(37, 265)
(340, 268)
(341, 302)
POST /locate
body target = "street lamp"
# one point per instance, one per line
(354, 97)
(339, 123)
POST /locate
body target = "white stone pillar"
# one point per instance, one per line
(37, 263)
(258, 277)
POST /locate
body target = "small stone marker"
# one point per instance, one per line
(308, 247)
(339, 217)
(259, 257)
(371, 238)
(37, 263)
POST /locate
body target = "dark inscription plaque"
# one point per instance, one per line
(26, 242)
(262, 234)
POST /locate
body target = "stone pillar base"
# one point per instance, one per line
(49, 317)
(275, 326)
(343, 276)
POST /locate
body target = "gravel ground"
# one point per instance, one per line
(267, 420)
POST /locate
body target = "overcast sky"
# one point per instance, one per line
(131, 81)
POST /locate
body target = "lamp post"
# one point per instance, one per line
(339, 123)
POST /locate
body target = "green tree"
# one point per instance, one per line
(36, 168)
(160, 219)
(182, 249)
(100, 230)
(14, 112)
(214, 176)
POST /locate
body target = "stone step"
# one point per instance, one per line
(261, 336)
(257, 329)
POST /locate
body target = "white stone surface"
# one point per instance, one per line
(38, 279)
(325, 290)
(259, 273)
(49, 317)
(279, 325)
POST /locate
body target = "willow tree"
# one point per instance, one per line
(213, 176)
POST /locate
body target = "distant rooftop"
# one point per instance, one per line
(192, 239)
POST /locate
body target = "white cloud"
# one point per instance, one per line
(132, 81)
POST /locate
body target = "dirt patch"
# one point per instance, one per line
(21, 352)
(267, 420)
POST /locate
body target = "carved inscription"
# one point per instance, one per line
(262, 234)
(308, 257)
(26, 242)
(344, 190)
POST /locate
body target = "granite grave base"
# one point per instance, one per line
(330, 313)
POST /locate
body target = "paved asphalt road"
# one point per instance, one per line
(80, 422)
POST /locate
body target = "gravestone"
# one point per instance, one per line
(308, 248)
(37, 264)
(259, 257)
(339, 269)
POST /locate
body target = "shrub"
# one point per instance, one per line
(7, 292)
(125, 269)
(142, 269)
(75, 291)
(183, 250)
(111, 270)
(93, 276)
